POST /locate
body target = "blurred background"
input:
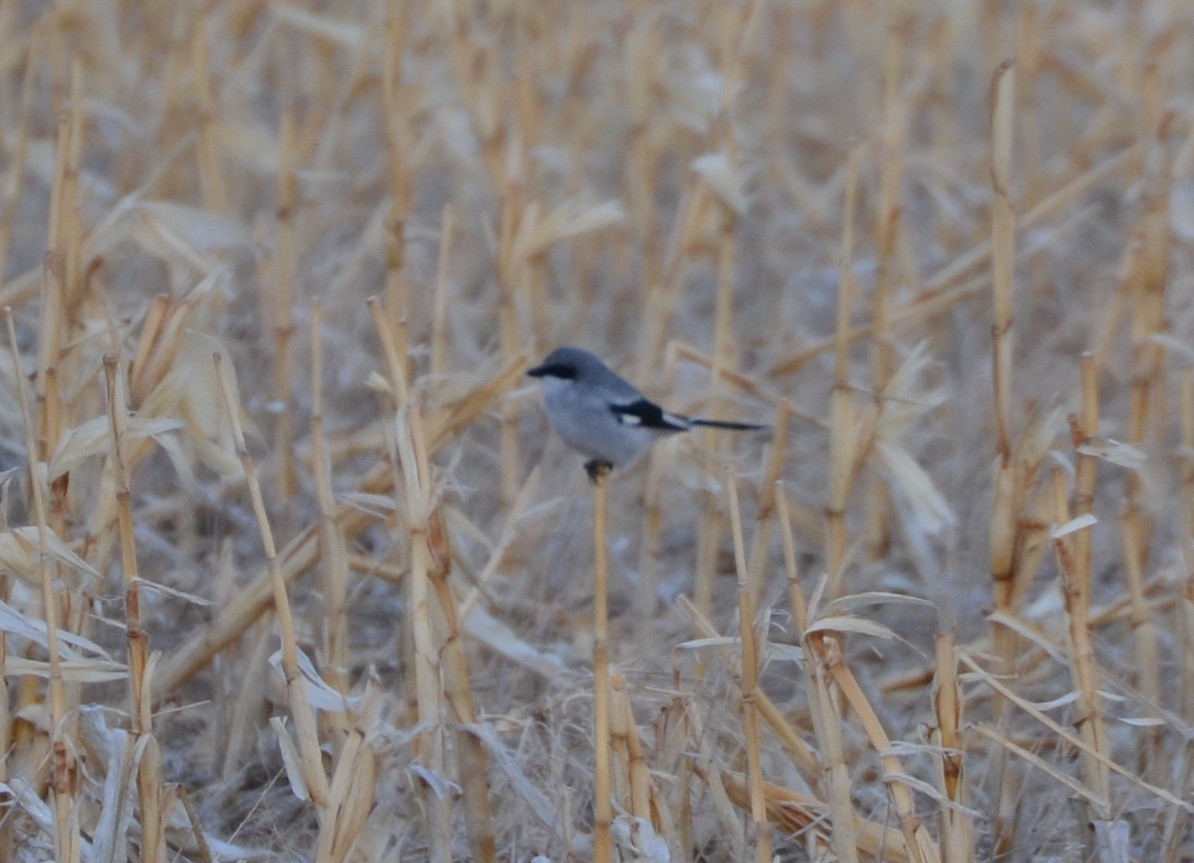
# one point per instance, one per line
(944, 249)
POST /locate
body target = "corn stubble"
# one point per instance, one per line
(290, 565)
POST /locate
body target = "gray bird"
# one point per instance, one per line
(603, 416)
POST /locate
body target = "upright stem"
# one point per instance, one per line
(1005, 514)
(140, 722)
(757, 835)
(842, 420)
(602, 808)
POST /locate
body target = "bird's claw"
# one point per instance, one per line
(597, 469)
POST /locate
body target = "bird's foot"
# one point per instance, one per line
(596, 469)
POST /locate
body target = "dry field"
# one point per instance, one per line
(292, 567)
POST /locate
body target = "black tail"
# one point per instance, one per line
(718, 424)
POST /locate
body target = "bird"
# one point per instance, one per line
(603, 416)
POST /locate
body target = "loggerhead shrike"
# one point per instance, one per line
(603, 416)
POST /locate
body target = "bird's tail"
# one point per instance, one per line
(718, 424)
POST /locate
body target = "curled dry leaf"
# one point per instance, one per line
(341, 33)
(1175, 345)
(19, 554)
(191, 391)
(443, 787)
(509, 762)
(1073, 525)
(932, 511)
(378, 505)
(694, 87)
(727, 181)
(850, 602)
(849, 623)
(715, 641)
(1143, 721)
(637, 836)
(320, 694)
(187, 235)
(769, 649)
(291, 760)
(73, 671)
(499, 637)
(25, 796)
(70, 645)
(93, 438)
(1038, 436)
(1124, 455)
(571, 218)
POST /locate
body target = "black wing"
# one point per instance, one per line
(649, 415)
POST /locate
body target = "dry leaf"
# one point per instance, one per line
(19, 554)
(571, 218)
(497, 636)
(191, 391)
(93, 438)
(849, 623)
(73, 671)
(291, 759)
(342, 33)
(930, 508)
(726, 181)
(187, 235)
(34, 629)
(1115, 452)
(1074, 524)
(320, 695)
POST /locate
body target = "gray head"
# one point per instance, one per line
(572, 364)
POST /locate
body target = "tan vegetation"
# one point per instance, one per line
(292, 567)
